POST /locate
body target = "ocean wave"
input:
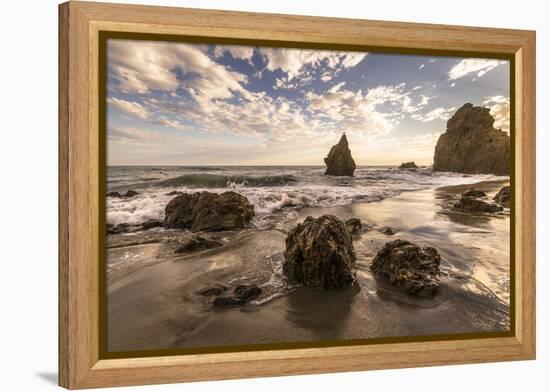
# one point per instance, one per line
(281, 195)
(212, 181)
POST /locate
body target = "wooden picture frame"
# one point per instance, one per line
(80, 165)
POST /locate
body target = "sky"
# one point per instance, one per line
(172, 103)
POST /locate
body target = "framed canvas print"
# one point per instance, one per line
(249, 195)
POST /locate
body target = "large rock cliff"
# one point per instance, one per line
(471, 144)
(339, 161)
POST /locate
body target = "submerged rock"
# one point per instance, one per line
(388, 231)
(152, 223)
(474, 193)
(207, 211)
(339, 161)
(473, 205)
(216, 290)
(117, 229)
(242, 294)
(412, 268)
(408, 165)
(354, 225)
(319, 253)
(198, 243)
(472, 145)
(503, 196)
(116, 194)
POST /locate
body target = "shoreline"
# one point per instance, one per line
(152, 301)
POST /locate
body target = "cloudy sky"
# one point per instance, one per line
(190, 104)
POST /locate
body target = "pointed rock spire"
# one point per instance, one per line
(339, 161)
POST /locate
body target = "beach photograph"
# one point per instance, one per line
(260, 195)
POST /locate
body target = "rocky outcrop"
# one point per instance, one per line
(319, 252)
(408, 166)
(472, 145)
(339, 161)
(207, 211)
(198, 243)
(474, 205)
(354, 226)
(503, 197)
(474, 193)
(412, 268)
(242, 294)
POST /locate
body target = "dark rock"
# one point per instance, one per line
(227, 301)
(388, 231)
(116, 194)
(408, 165)
(503, 196)
(248, 292)
(354, 225)
(339, 161)
(130, 193)
(207, 211)
(319, 252)
(412, 268)
(174, 193)
(474, 193)
(472, 145)
(117, 229)
(152, 223)
(216, 290)
(242, 294)
(473, 205)
(198, 243)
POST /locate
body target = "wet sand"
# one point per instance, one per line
(153, 304)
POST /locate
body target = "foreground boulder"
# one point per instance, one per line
(412, 268)
(473, 205)
(339, 161)
(207, 211)
(242, 294)
(503, 197)
(408, 166)
(471, 144)
(319, 253)
(198, 243)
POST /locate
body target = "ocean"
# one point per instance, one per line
(279, 190)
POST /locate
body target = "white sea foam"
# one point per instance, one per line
(310, 189)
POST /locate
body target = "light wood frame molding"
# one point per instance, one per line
(80, 365)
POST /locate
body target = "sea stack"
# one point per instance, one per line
(339, 161)
(471, 144)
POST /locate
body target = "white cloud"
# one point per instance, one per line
(439, 113)
(357, 112)
(500, 110)
(236, 51)
(132, 108)
(293, 61)
(140, 67)
(472, 65)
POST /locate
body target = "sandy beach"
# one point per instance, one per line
(153, 301)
